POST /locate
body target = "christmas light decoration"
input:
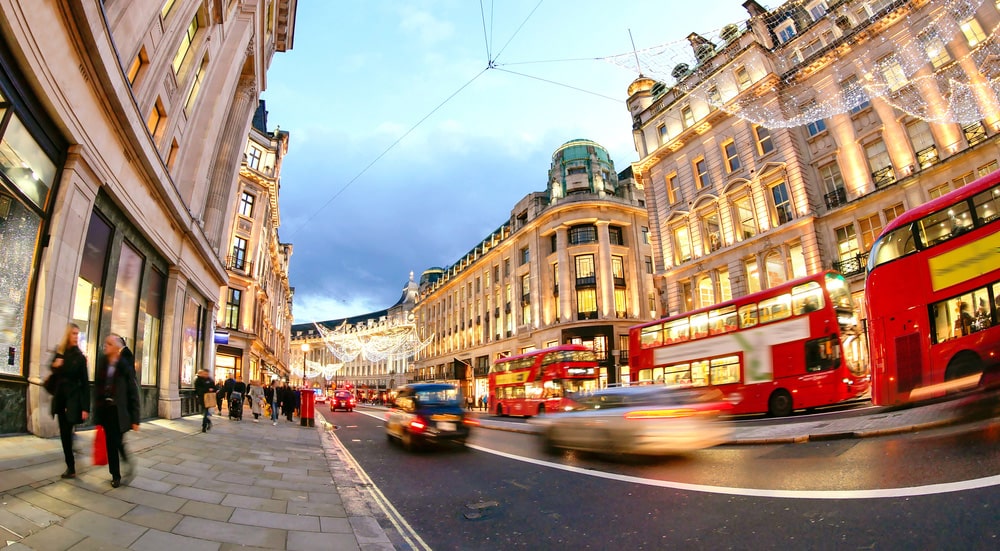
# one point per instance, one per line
(929, 59)
(373, 341)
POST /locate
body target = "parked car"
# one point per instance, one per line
(427, 414)
(342, 399)
(639, 420)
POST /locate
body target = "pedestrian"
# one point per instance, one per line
(203, 388)
(483, 401)
(256, 400)
(228, 391)
(116, 399)
(287, 400)
(235, 394)
(272, 394)
(70, 401)
(220, 395)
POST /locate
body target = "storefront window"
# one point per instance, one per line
(123, 314)
(90, 286)
(192, 335)
(151, 329)
(18, 232)
(25, 163)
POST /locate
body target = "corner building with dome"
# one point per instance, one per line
(572, 264)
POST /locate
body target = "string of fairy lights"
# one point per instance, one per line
(375, 341)
(940, 65)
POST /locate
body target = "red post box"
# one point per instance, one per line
(307, 409)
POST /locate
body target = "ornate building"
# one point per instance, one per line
(783, 146)
(255, 314)
(368, 354)
(572, 264)
(122, 129)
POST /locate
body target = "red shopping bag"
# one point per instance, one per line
(100, 447)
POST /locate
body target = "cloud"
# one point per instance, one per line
(427, 28)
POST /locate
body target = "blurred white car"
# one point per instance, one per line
(640, 420)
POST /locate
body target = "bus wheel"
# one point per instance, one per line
(964, 363)
(780, 403)
(541, 410)
(499, 411)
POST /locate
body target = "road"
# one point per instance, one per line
(929, 490)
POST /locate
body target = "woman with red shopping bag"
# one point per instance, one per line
(116, 403)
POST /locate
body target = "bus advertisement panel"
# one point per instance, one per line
(541, 380)
(789, 347)
(931, 296)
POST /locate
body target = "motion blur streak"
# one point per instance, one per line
(751, 492)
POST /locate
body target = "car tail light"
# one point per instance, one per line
(418, 425)
(471, 421)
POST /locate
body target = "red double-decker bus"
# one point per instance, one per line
(542, 380)
(931, 295)
(790, 347)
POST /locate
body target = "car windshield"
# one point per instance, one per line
(642, 396)
(343, 394)
(439, 396)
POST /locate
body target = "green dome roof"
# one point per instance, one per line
(580, 149)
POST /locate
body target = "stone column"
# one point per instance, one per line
(566, 268)
(172, 338)
(605, 278)
(228, 156)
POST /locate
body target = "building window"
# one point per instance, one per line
(645, 235)
(746, 222)
(615, 235)
(923, 143)
(586, 303)
(783, 212)
(618, 270)
(649, 264)
(682, 244)
(687, 116)
(706, 293)
(753, 275)
(586, 276)
(139, 64)
(816, 10)
(973, 32)
(935, 49)
(673, 191)
(232, 315)
(165, 10)
(239, 258)
(764, 143)
(701, 176)
(892, 72)
(785, 31)
(797, 260)
(816, 127)
(579, 235)
(199, 78)
(687, 295)
(880, 164)
(855, 96)
(833, 185)
(974, 133)
(621, 303)
(185, 46)
(714, 98)
(246, 204)
(892, 212)
(870, 226)
(253, 157)
(157, 120)
(742, 78)
(725, 288)
(525, 256)
(938, 191)
(847, 243)
(775, 269)
(988, 168)
(662, 131)
(732, 156)
(506, 267)
(712, 231)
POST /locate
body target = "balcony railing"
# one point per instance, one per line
(883, 177)
(852, 266)
(619, 281)
(239, 264)
(835, 198)
(927, 156)
(974, 133)
(589, 281)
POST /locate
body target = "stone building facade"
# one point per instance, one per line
(123, 129)
(572, 264)
(783, 147)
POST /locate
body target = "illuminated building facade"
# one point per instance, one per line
(572, 264)
(783, 145)
(122, 129)
(255, 309)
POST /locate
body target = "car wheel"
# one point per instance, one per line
(408, 441)
(389, 438)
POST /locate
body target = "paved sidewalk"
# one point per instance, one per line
(243, 485)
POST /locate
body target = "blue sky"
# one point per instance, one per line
(406, 149)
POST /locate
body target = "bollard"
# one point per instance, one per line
(307, 410)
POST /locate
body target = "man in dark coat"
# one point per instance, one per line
(116, 402)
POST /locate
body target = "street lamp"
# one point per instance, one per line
(305, 350)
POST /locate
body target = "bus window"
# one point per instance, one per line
(675, 331)
(775, 308)
(699, 373)
(651, 336)
(897, 243)
(945, 224)
(840, 293)
(822, 354)
(748, 316)
(722, 320)
(699, 326)
(981, 314)
(679, 374)
(726, 370)
(807, 298)
(987, 205)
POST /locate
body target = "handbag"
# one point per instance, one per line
(100, 447)
(51, 383)
(209, 400)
